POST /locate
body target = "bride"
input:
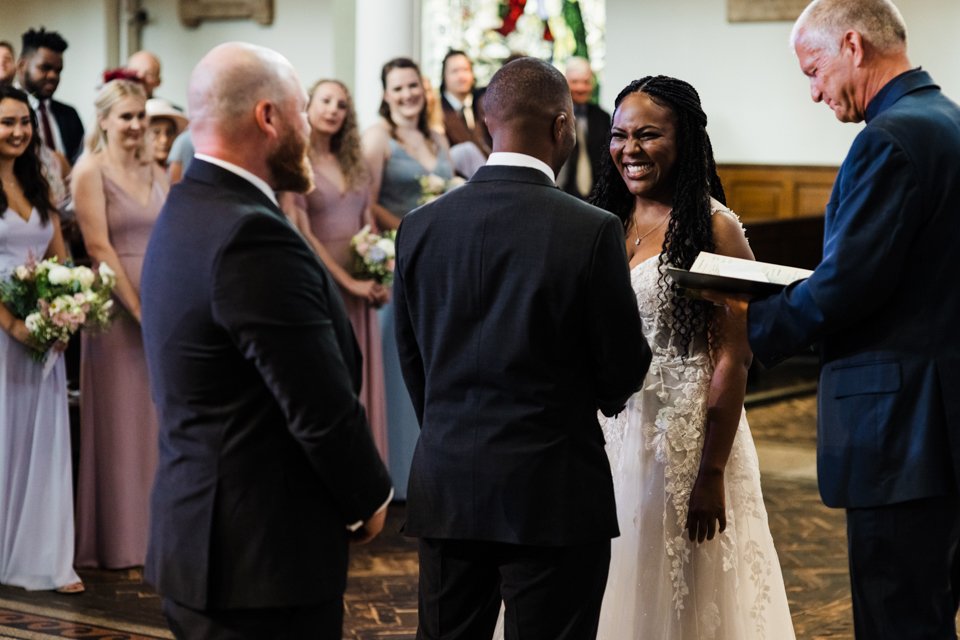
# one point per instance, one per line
(695, 559)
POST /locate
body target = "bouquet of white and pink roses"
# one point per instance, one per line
(56, 300)
(433, 186)
(373, 255)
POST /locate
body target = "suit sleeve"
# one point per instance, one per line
(273, 298)
(411, 360)
(869, 235)
(621, 354)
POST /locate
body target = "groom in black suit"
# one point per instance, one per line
(515, 322)
(267, 467)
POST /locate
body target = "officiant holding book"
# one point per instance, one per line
(889, 415)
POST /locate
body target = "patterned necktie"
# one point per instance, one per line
(467, 111)
(46, 132)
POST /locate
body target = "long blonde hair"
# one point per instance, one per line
(110, 94)
(345, 144)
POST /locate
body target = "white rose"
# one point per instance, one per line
(107, 274)
(33, 322)
(22, 272)
(59, 304)
(386, 245)
(59, 275)
(84, 276)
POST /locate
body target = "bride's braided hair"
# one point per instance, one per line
(690, 230)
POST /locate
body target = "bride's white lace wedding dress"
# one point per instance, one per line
(660, 584)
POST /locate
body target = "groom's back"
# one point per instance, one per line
(504, 299)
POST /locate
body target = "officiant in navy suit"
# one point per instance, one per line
(515, 322)
(266, 463)
(884, 305)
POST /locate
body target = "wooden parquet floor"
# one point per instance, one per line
(381, 597)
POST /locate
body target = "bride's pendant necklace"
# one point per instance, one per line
(640, 236)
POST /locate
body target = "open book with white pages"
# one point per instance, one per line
(736, 275)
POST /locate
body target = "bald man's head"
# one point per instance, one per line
(579, 79)
(147, 67)
(231, 79)
(246, 106)
(528, 102)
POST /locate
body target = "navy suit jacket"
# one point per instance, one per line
(71, 129)
(884, 305)
(515, 321)
(265, 451)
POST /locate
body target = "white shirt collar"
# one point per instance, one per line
(511, 159)
(256, 181)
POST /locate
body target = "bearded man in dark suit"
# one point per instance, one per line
(515, 322)
(267, 466)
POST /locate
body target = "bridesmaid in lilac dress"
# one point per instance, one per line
(117, 193)
(36, 492)
(329, 216)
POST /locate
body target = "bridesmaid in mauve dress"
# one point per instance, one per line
(400, 149)
(117, 192)
(329, 216)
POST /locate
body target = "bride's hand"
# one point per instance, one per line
(707, 507)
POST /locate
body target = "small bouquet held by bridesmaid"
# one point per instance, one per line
(433, 186)
(56, 300)
(373, 255)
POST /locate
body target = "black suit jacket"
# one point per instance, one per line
(598, 131)
(71, 129)
(515, 321)
(265, 452)
(456, 127)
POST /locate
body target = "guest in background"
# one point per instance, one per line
(39, 68)
(117, 193)
(8, 63)
(400, 151)
(329, 216)
(165, 124)
(461, 102)
(146, 66)
(181, 153)
(593, 125)
(36, 491)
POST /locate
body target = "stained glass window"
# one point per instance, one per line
(491, 30)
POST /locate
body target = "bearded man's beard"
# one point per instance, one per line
(290, 166)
